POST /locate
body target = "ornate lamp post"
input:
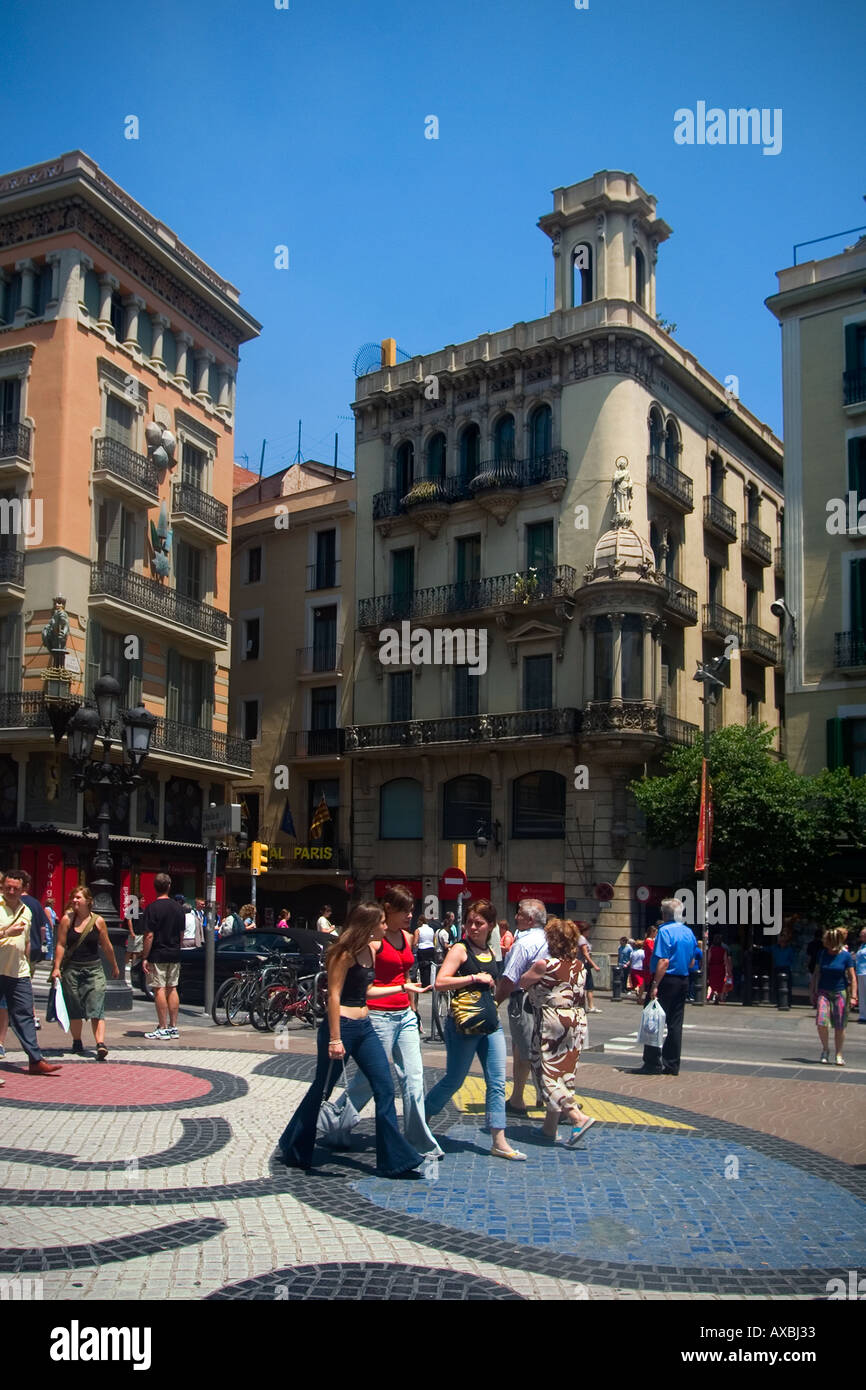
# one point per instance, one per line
(85, 726)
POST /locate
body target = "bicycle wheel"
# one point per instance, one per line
(236, 1004)
(217, 1011)
(441, 1006)
(281, 1006)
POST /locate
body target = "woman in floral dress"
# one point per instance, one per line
(557, 993)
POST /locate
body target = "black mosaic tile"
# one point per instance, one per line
(367, 1282)
(201, 1138)
(223, 1087)
(112, 1251)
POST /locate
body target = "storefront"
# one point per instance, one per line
(551, 894)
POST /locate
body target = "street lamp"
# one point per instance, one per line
(107, 778)
(712, 675)
(487, 830)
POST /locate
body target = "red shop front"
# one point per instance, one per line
(551, 894)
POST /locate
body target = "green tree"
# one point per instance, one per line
(772, 827)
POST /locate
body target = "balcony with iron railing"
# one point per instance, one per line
(669, 481)
(149, 597)
(27, 709)
(16, 443)
(678, 731)
(12, 567)
(117, 462)
(496, 474)
(756, 543)
(849, 650)
(477, 729)
(757, 642)
(854, 387)
(325, 574)
(720, 518)
(324, 658)
(315, 743)
(190, 504)
(779, 562)
(719, 621)
(681, 601)
(521, 590)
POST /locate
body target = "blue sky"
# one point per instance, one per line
(305, 127)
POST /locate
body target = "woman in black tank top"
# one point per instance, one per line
(80, 936)
(347, 1030)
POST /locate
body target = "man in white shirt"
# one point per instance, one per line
(530, 942)
(15, 972)
(323, 924)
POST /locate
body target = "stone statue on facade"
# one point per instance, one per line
(622, 492)
(56, 630)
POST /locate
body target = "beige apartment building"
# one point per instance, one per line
(582, 500)
(118, 358)
(822, 310)
(293, 596)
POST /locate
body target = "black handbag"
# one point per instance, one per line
(474, 1011)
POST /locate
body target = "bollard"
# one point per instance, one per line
(616, 978)
(783, 988)
(765, 989)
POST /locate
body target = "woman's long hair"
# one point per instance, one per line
(357, 932)
(85, 893)
(563, 936)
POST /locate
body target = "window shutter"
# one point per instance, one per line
(207, 695)
(835, 756)
(94, 656)
(663, 693)
(135, 678)
(172, 685)
(857, 467)
(10, 654)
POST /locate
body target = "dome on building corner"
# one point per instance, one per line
(621, 554)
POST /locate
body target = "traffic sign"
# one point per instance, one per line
(603, 892)
(454, 878)
(642, 894)
(218, 821)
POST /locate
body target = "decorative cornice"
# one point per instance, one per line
(190, 425)
(21, 355)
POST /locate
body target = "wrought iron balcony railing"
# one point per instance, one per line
(722, 621)
(324, 657)
(721, 517)
(470, 596)
(316, 743)
(187, 500)
(779, 561)
(854, 386)
(680, 598)
(849, 649)
(472, 728)
(26, 709)
(323, 575)
(12, 567)
(496, 473)
(677, 730)
(758, 642)
(670, 480)
(15, 441)
(756, 542)
(118, 459)
(621, 716)
(149, 596)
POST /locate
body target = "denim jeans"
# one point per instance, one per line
(19, 1002)
(397, 1031)
(393, 1154)
(460, 1050)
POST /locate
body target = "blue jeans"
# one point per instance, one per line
(397, 1031)
(393, 1154)
(18, 995)
(460, 1050)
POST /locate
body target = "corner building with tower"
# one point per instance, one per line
(582, 491)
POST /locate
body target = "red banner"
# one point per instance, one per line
(705, 827)
(547, 892)
(49, 875)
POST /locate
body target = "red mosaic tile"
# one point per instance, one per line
(109, 1083)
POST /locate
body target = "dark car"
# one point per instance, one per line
(304, 950)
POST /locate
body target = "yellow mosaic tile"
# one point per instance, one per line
(470, 1099)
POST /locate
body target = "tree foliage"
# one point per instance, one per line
(773, 828)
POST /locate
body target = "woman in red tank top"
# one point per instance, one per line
(396, 1024)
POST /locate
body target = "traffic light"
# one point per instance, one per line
(259, 855)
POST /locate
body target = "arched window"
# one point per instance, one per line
(672, 443)
(656, 432)
(538, 806)
(632, 657)
(503, 439)
(581, 288)
(639, 277)
(436, 456)
(405, 468)
(401, 810)
(470, 452)
(465, 803)
(540, 432)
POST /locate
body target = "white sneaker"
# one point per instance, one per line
(172, 1033)
(825, 1057)
(164, 1033)
(840, 1060)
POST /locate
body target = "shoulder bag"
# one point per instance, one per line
(474, 1011)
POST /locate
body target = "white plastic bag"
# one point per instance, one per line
(652, 1025)
(60, 1006)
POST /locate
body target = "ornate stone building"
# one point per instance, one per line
(584, 497)
(118, 357)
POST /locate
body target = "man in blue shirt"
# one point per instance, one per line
(669, 982)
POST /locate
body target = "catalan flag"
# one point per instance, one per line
(319, 819)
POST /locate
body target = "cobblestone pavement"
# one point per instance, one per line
(156, 1172)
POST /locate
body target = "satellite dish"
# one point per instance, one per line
(368, 359)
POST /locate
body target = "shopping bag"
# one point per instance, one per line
(56, 1010)
(652, 1025)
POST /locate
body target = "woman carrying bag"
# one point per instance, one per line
(78, 968)
(469, 973)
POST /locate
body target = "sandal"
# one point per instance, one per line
(578, 1132)
(101, 1052)
(513, 1154)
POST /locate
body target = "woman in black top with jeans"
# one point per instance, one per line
(348, 1031)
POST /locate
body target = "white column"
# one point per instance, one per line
(589, 661)
(226, 379)
(133, 304)
(203, 360)
(160, 324)
(55, 260)
(648, 679)
(85, 265)
(27, 308)
(184, 370)
(107, 285)
(616, 621)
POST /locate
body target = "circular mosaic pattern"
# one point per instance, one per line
(368, 1282)
(119, 1086)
